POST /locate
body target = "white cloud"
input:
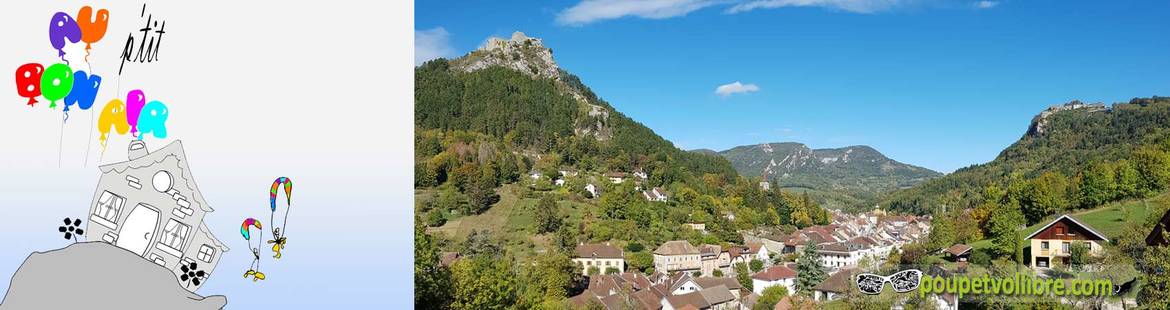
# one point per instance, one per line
(430, 44)
(736, 88)
(986, 4)
(855, 6)
(589, 11)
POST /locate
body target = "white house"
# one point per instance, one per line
(150, 206)
(775, 275)
(655, 194)
(616, 177)
(559, 182)
(602, 256)
(592, 189)
(677, 255)
(841, 254)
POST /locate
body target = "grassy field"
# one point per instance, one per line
(511, 219)
(1110, 219)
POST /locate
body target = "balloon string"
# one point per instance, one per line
(61, 140)
(88, 141)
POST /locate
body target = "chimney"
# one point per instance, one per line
(137, 149)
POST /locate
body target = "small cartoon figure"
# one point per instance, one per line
(252, 272)
(277, 244)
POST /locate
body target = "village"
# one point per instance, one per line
(704, 276)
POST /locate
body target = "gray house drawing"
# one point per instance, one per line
(149, 205)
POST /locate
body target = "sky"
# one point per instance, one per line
(939, 84)
(254, 91)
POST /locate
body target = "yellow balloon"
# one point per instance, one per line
(113, 115)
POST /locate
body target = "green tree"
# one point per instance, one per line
(770, 297)
(483, 283)
(1044, 195)
(566, 238)
(432, 282)
(1097, 185)
(1153, 168)
(1078, 255)
(756, 265)
(1128, 180)
(548, 280)
(1005, 225)
(435, 218)
(639, 260)
(808, 269)
(548, 218)
(741, 275)
(1155, 278)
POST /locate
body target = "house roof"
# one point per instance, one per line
(647, 299)
(581, 300)
(682, 279)
(710, 250)
(785, 303)
(1071, 219)
(174, 149)
(709, 282)
(836, 283)
(958, 249)
(1155, 237)
(676, 247)
(717, 295)
(693, 298)
(598, 251)
(774, 273)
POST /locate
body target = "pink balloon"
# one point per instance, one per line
(135, 100)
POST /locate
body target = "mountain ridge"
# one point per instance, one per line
(845, 175)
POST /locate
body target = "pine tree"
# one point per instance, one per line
(808, 269)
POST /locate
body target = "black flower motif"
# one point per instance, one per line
(191, 273)
(71, 228)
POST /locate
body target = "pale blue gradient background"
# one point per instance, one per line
(255, 90)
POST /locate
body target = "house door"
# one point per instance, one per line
(138, 229)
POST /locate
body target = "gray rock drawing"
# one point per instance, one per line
(99, 275)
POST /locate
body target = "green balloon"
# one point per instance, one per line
(56, 83)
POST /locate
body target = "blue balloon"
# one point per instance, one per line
(153, 120)
(85, 89)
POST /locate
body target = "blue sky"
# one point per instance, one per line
(940, 84)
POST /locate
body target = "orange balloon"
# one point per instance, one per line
(93, 28)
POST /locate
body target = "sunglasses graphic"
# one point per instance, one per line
(902, 281)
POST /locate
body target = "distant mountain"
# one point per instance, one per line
(841, 176)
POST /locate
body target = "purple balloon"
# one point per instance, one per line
(63, 27)
(135, 100)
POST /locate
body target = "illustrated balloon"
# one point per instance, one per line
(93, 28)
(153, 120)
(28, 81)
(244, 227)
(56, 83)
(85, 88)
(275, 189)
(135, 100)
(63, 27)
(113, 115)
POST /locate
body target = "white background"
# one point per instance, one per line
(319, 93)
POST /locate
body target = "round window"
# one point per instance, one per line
(162, 181)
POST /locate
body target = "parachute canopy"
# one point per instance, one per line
(244, 227)
(275, 188)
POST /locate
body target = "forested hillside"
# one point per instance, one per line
(1073, 156)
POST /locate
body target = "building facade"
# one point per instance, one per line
(1053, 242)
(150, 206)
